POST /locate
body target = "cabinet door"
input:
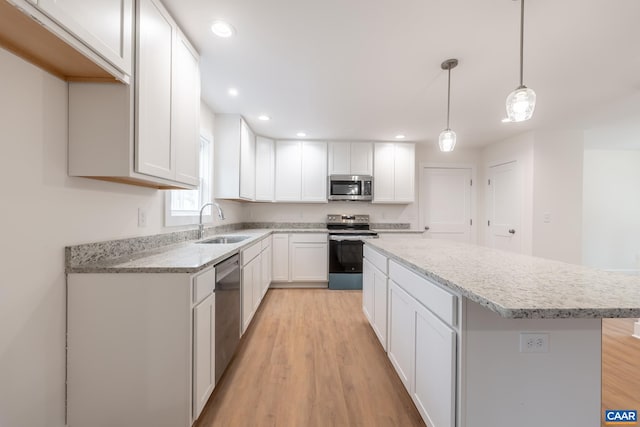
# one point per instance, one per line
(339, 158)
(309, 262)
(402, 332)
(280, 259)
(185, 111)
(288, 171)
(247, 295)
(264, 169)
(103, 25)
(314, 171)
(435, 369)
(256, 265)
(361, 158)
(247, 163)
(368, 284)
(404, 173)
(380, 292)
(266, 269)
(154, 155)
(383, 182)
(204, 342)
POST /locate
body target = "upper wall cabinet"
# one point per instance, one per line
(234, 158)
(301, 171)
(394, 173)
(355, 158)
(265, 169)
(72, 39)
(146, 133)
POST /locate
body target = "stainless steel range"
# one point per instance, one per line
(346, 235)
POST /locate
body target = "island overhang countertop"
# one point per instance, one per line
(515, 285)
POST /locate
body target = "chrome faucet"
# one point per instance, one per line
(200, 225)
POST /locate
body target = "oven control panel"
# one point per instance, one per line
(347, 219)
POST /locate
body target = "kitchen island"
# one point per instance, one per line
(482, 337)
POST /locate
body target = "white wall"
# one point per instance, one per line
(557, 195)
(44, 210)
(611, 225)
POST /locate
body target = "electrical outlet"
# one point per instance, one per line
(142, 217)
(546, 217)
(534, 342)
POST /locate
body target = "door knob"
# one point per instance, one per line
(426, 228)
(512, 231)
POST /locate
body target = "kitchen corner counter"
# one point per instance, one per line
(186, 257)
(514, 285)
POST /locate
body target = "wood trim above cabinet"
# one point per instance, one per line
(22, 33)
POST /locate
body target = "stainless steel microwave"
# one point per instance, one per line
(351, 187)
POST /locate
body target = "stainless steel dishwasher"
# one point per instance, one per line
(227, 312)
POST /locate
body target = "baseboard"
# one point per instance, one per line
(299, 285)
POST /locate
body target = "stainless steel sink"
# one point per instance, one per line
(224, 240)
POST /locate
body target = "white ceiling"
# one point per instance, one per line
(369, 69)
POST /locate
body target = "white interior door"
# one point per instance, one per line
(505, 207)
(446, 196)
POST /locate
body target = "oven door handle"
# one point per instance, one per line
(351, 238)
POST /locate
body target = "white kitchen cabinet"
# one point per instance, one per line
(434, 389)
(288, 171)
(350, 158)
(265, 169)
(394, 173)
(267, 265)
(234, 158)
(251, 292)
(257, 283)
(103, 25)
(401, 344)
(314, 172)
(146, 133)
(141, 348)
(72, 39)
(374, 299)
(308, 257)
(204, 342)
(301, 171)
(280, 259)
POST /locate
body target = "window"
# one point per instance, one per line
(182, 207)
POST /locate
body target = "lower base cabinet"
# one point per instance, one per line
(255, 278)
(421, 346)
(300, 258)
(140, 348)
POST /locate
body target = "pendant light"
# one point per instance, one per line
(447, 139)
(522, 101)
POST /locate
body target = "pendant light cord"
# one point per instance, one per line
(448, 95)
(521, 41)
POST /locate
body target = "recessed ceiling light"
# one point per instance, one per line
(506, 120)
(264, 118)
(222, 29)
(233, 91)
(400, 136)
(301, 134)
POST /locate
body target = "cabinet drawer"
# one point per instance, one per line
(432, 296)
(375, 258)
(308, 238)
(266, 243)
(250, 253)
(203, 284)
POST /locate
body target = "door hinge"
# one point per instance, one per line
(488, 223)
(488, 182)
(471, 182)
(470, 222)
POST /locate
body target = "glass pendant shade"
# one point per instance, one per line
(520, 104)
(447, 140)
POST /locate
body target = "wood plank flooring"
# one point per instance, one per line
(309, 359)
(620, 365)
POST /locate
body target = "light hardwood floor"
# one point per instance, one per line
(620, 365)
(309, 359)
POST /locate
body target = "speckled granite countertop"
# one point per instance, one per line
(517, 286)
(183, 257)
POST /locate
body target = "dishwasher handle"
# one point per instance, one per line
(227, 267)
